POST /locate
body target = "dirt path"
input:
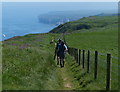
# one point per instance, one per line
(66, 78)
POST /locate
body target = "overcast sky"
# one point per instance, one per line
(33, 9)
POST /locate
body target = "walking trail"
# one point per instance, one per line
(66, 78)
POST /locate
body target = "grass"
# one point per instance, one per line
(28, 64)
(86, 80)
(104, 40)
(28, 60)
(86, 23)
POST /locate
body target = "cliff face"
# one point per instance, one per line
(60, 17)
(54, 19)
(57, 19)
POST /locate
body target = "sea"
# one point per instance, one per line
(11, 29)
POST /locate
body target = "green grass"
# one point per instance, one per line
(86, 23)
(28, 64)
(103, 40)
(86, 80)
(28, 60)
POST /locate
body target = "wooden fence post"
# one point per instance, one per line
(83, 57)
(88, 60)
(96, 65)
(108, 72)
(74, 54)
(71, 51)
(79, 56)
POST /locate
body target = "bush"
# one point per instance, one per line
(82, 26)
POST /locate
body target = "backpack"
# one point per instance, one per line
(60, 47)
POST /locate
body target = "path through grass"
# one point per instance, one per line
(67, 79)
(28, 65)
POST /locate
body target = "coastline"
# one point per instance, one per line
(14, 37)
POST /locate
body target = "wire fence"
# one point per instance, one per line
(101, 65)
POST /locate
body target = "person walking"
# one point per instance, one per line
(60, 51)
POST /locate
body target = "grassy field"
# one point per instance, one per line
(101, 36)
(86, 80)
(104, 40)
(28, 63)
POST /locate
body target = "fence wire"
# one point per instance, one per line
(102, 65)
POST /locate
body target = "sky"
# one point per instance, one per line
(30, 10)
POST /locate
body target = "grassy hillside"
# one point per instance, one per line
(101, 34)
(28, 60)
(28, 63)
(104, 40)
(86, 80)
(86, 23)
(92, 33)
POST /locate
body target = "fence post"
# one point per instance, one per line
(96, 65)
(74, 54)
(72, 51)
(88, 60)
(79, 56)
(69, 51)
(83, 57)
(108, 72)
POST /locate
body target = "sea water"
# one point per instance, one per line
(11, 29)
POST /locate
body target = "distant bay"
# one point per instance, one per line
(19, 29)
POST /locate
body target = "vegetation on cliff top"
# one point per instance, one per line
(91, 22)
